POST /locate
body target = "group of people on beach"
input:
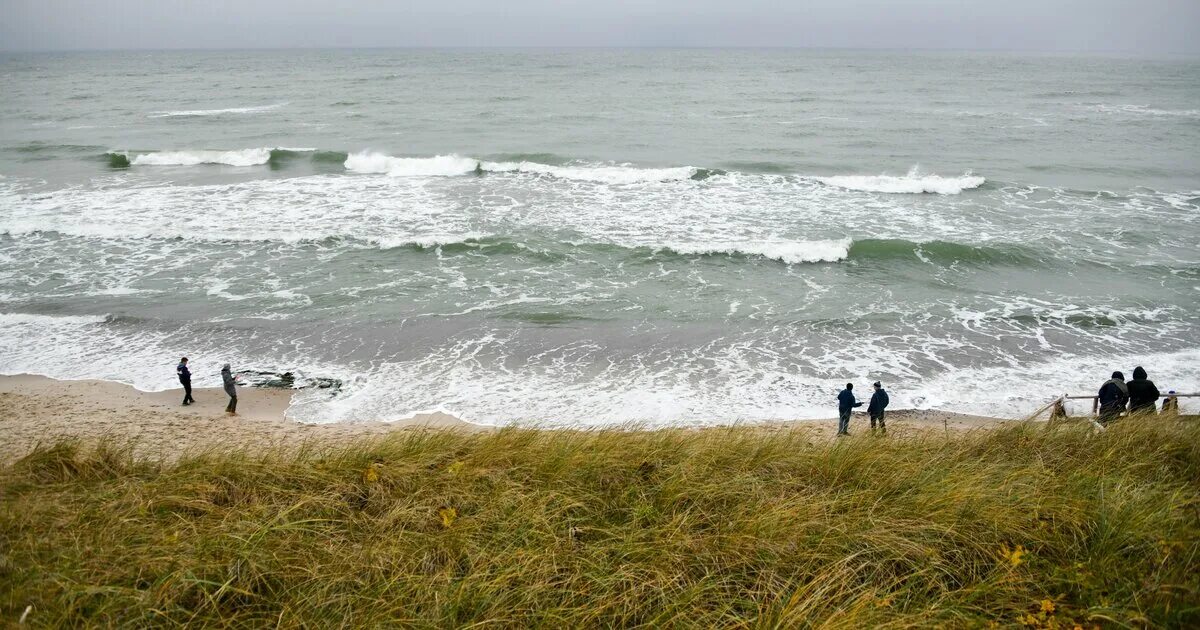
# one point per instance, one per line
(1137, 396)
(1116, 397)
(876, 408)
(227, 378)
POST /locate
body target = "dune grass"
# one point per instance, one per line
(1018, 526)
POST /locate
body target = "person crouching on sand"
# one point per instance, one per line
(879, 402)
(846, 403)
(231, 389)
(185, 379)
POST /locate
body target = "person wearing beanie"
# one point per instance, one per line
(1114, 394)
(1143, 395)
(879, 402)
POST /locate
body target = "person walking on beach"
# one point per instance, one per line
(1143, 395)
(231, 389)
(846, 403)
(185, 379)
(1113, 394)
(879, 402)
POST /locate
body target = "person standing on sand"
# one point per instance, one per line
(231, 389)
(185, 379)
(1142, 393)
(879, 402)
(1113, 394)
(846, 403)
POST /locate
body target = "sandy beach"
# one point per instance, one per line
(37, 409)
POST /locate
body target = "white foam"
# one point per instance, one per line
(258, 109)
(912, 183)
(429, 241)
(441, 165)
(244, 157)
(605, 173)
(791, 252)
(452, 164)
(1143, 110)
(25, 319)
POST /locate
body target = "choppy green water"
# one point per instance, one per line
(604, 236)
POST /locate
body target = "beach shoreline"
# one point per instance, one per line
(38, 410)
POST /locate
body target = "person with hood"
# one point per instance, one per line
(1143, 395)
(185, 379)
(1113, 396)
(230, 388)
(846, 403)
(879, 402)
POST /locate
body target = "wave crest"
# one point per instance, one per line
(912, 183)
(244, 157)
(441, 165)
(790, 252)
(194, 113)
(453, 164)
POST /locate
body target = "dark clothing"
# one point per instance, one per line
(879, 402)
(1142, 395)
(846, 402)
(1114, 394)
(185, 379)
(232, 406)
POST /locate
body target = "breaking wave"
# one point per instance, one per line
(276, 157)
(244, 157)
(451, 165)
(790, 252)
(912, 183)
(191, 113)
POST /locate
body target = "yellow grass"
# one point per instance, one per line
(714, 528)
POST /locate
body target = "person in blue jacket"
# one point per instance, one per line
(846, 403)
(879, 402)
(185, 379)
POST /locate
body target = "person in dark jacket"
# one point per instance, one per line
(1142, 393)
(1114, 394)
(185, 379)
(846, 402)
(879, 402)
(230, 388)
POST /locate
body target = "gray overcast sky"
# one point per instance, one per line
(1139, 26)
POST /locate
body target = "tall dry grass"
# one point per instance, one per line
(713, 528)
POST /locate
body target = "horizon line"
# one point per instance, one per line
(1031, 51)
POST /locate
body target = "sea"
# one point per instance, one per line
(646, 237)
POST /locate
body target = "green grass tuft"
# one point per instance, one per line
(714, 528)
